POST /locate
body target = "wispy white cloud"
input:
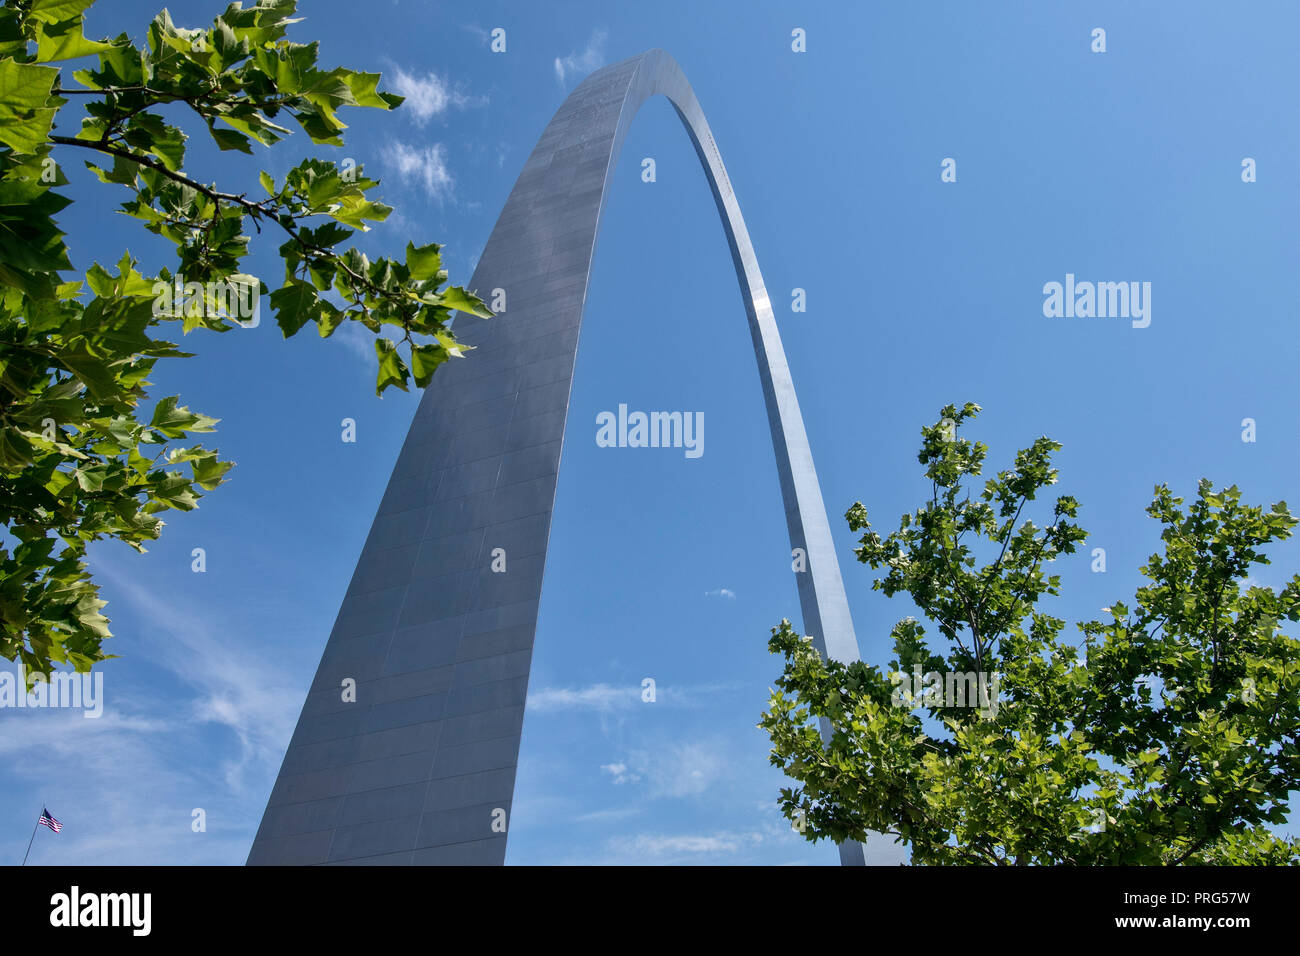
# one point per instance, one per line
(610, 697)
(595, 697)
(722, 593)
(608, 815)
(429, 96)
(581, 63)
(425, 166)
(235, 686)
(659, 845)
(122, 789)
(126, 785)
(677, 770)
(619, 772)
(67, 729)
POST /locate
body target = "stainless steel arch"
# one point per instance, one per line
(420, 769)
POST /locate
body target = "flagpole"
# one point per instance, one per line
(33, 839)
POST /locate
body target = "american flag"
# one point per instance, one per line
(48, 821)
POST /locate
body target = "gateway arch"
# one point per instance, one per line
(420, 768)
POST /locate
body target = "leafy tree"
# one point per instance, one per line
(79, 459)
(1166, 736)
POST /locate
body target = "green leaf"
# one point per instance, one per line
(91, 370)
(56, 11)
(24, 86)
(15, 450)
(25, 120)
(229, 139)
(425, 360)
(174, 420)
(170, 147)
(65, 41)
(392, 370)
(353, 210)
(177, 492)
(459, 300)
(295, 304)
(362, 87)
(209, 472)
(424, 262)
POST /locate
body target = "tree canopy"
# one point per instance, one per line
(1164, 734)
(80, 459)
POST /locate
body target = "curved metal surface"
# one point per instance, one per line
(420, 768)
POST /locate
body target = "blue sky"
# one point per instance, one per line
(1115, 166)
